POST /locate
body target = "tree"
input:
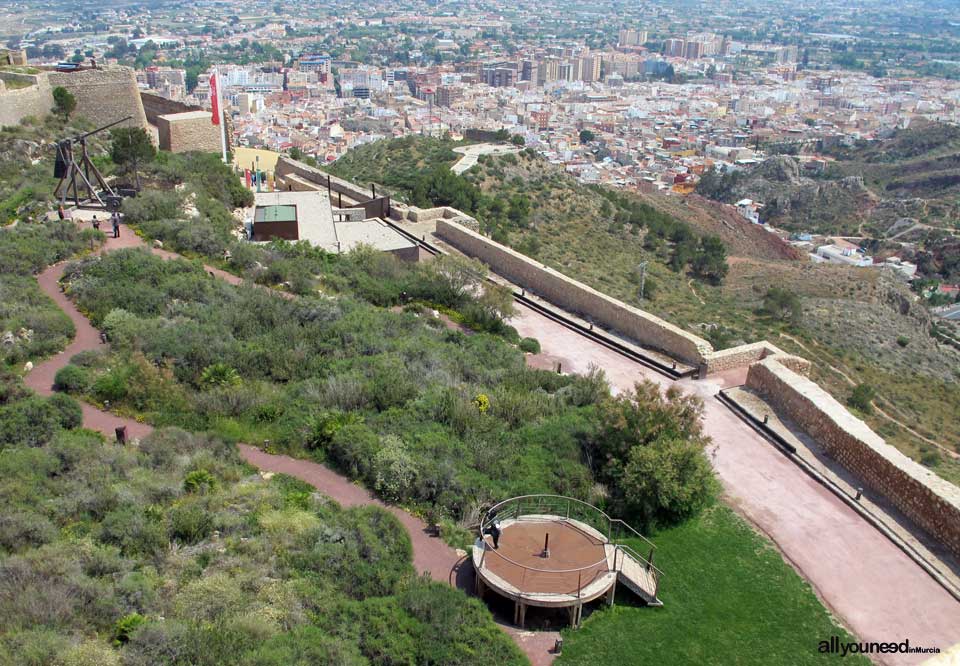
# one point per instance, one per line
(862, 398)
(783, 304)
(710, 260)
(64, 103)
(130, 147)
(517, 140)
(586, 136)
(648, 450)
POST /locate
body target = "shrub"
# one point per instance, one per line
(219, 374)
(862, 398)
(24, 529)
(903, 340)
(152, 205)
(133, 531)
(394, 469)
(667, 481)
(305, 646)
(90, 653)
(112, 385)
(30, 422)
(784, 305)
(72, 379)
(190, 523)
(353, 447)
(530, 345)
(68, 410)
(199, 481)
(125, 626)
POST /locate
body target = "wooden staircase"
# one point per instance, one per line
(640, 577)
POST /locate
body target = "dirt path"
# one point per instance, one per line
(431, 556)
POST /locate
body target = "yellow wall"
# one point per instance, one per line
(245, 157)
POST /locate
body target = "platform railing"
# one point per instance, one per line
(614, 529)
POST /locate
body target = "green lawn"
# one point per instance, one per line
(729, 598)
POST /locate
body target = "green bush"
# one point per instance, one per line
(125, 626)
(862, 398)
(190, 523)
(30, 422)
(72, 379)
(152, 205)
(134, 531)
(530, 345)
(199, 481)
(68, 411)
(306, 646)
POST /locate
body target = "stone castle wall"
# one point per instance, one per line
(569, 294)
(928, 500)
(104, 95)
(155, 106)
(744, 355)
(183, 132)
(18, 103)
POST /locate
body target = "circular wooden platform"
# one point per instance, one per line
(579, 567)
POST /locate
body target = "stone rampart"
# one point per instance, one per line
(928, 500)
(155, 106)
(569, 294)
(744, 355)
(104, 95)
(192, 130)
(16, 103)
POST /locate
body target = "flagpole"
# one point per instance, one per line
(222, 119)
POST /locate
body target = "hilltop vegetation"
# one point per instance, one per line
(850, 320)
(176, 551)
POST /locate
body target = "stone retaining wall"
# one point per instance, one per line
(155, 106)
(286, 166)
(569, 294)
(104, 95)
(18, 103)
(928, 500)
(743, 355)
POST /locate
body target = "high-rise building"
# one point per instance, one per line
(632, 37)
(590, 67)
(448, 95)
(498, 77)
(674, 48)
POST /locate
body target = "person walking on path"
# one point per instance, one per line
(115, 219)
(60, 213)
(96, 223)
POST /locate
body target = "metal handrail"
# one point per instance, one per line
(636, 533)
(637, 556)
(503, 509)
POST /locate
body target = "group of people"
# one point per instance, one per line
(114, 223)
(114, 220)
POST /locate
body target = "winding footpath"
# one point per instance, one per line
(431, 556)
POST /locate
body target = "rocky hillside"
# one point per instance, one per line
(876, 189)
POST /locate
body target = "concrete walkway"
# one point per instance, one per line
(431, 555)
(472, 153)
(869, 583)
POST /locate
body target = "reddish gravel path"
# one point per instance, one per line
(430, 555)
